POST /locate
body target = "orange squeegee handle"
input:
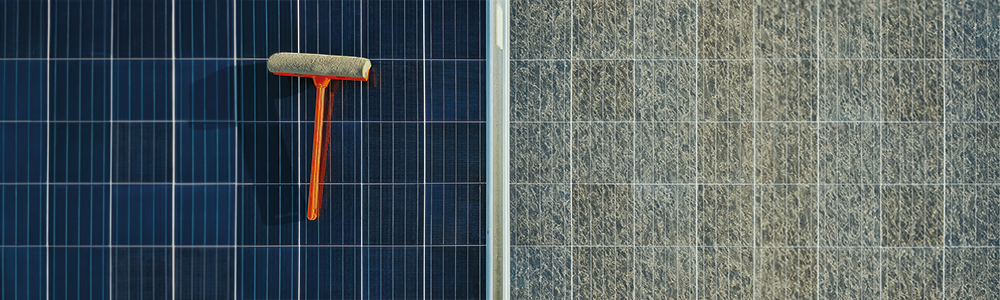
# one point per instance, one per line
(316, 175)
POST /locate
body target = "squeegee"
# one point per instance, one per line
(321, 68)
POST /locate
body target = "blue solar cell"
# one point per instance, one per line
(268, 273)
(205, 215)
(205, 90)
(269, 214)
(79, 152)
(456, 214)
(393, 214)
(26, 161)
(79, 215)
(456, 29)
(79, 273)
(456, 91)
(265, 27)
(23, 272)
(140, 214)
(80, 29)
(23, 29)
(395, 91)
(340, 217)
(142, 152)
(23, 83)
(331, 27)
(456, 272)
(80, 90)
(393, 273)
(205, 273)
(204, 28)
(205, 151)
(456, 152)
(392, 29)
(141, 273)
(142, 90)
(331, 273)
(23, 220)
(393, 153)
(141, 29)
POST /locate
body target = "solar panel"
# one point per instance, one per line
(148, 153)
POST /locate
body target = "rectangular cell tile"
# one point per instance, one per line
(849, 273)
(456, 214)
(340, 217)
(786, 215)
(79, 215)
(75, 34)
(912, 215)
(973, 215)
(664, 215)
(205, 273)
(725, 273)
(264, 28)
(24, 212)
(142, 29)
(204, 90)
(540, 91)
(393, 152)
(970, 29)
(603, 272)
(331, 273)
(911, 29)
(786, 153)
(456, 152)
(205, 152)
(204, 29)
(142, 152)
(973, 89)
(664, 273)
(393, 214)
(912, 273)
(603, 152)
(912, 153)
(23, 83)
(786, 90)
(392, 29)
(266, 152)
(23, 271)
(603, 91)
(142, 273)
(267, 273)
(849, 90)
(143, 90)
(332, 27)
(393, 273)
(665, 90)
(456, 90)
(27, 160)
(973, 155)
(269, 214)
(725, 91)
(725, 29)
(725, 153)
(603, 214)
(912, 91)
(665, 29)
(849, 215)
(140, 214)
(343, 153)
(786, 28)
(849, 153)
(82, 272)
(204, 215)
(79, 152)
(543, 29)
(972, 273)
(540, 215)
(603, 29)
(541, 272)
(785, 273)
(83, 92)
(25, 26)
(849, 28)
(725, 215)
(262, 96)
(456, 29)
(540, 153)
(395, 91)
(664, 152)
(455, 273)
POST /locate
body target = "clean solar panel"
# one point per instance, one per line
(148, 153)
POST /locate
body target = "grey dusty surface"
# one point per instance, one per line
(755, 149)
